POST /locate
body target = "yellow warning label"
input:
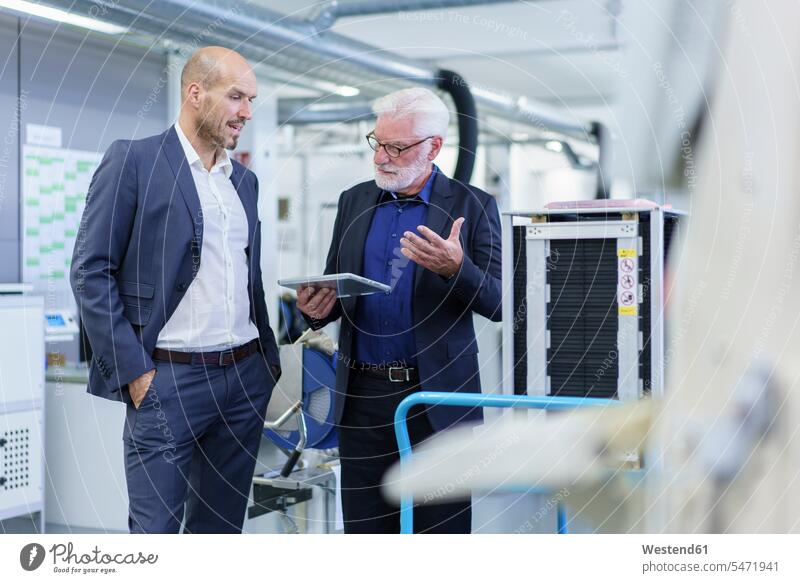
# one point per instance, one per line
(627, 310)
(626, 252)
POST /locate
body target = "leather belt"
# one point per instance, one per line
(394, 374)
(222, 358)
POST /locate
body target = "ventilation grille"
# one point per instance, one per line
(520, 323)
(16, 455)
(582, 359)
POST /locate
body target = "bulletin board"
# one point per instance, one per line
(54, 186)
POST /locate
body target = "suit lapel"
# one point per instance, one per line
(183, 177)
(439, 214)
(356, 232)
(354, 238)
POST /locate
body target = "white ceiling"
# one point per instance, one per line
(562, 51)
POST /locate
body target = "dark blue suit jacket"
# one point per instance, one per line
(445, 337)
(138, 249)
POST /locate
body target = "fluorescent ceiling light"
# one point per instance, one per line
(312, 83)
(61, 16)
(554, 146)
(346, 91)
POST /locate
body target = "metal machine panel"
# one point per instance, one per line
(536, 301)
(20, 463)
(22, 364)
(21, 351)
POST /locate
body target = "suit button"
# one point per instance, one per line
(182, 287)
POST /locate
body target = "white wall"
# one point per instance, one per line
(539, 176)
(312, 181)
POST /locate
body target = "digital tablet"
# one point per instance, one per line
(345, 284)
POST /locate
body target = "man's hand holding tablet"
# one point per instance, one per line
(316, 302)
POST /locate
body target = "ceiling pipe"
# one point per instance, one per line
(256, 24)
(185, 28)
(274, 39)
(328, 13)
(311, 111)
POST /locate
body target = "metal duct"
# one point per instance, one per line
(268, 36)
(305, 111)
(324, 17)
(266, 29)
(223, 25)
(363, 7)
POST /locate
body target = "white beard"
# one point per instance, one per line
(402, 177)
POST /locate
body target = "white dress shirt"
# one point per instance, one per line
(214, 314)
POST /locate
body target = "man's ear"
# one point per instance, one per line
(193, 95)
(437, 142)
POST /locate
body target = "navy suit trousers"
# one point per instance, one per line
(192, 444)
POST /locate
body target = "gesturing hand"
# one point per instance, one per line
(442, 256)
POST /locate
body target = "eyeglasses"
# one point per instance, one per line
(391, 150)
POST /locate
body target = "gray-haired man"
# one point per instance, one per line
(437, 243)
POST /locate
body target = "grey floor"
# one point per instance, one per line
(30, 525)
(498, 513)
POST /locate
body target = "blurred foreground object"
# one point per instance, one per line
(728, 435)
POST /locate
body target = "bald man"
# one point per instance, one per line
(166, 273)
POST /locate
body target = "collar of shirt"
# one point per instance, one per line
(424, 195)
(193, 158)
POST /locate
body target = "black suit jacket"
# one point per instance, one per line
(445, 337)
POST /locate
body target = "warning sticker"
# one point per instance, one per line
(627, 298)
(627, 265)
(627, 282)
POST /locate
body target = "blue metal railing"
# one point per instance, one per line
(476, 400)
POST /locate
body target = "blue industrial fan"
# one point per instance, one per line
(318, 381)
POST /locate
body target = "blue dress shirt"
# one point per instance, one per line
(384, 322)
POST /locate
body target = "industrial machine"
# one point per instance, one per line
(60, 325)
(585, 316)
(22, 363)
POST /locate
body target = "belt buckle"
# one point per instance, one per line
(400, 380)
(222, 355)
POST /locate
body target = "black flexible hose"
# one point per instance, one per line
(467, 113)
(603, 139)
